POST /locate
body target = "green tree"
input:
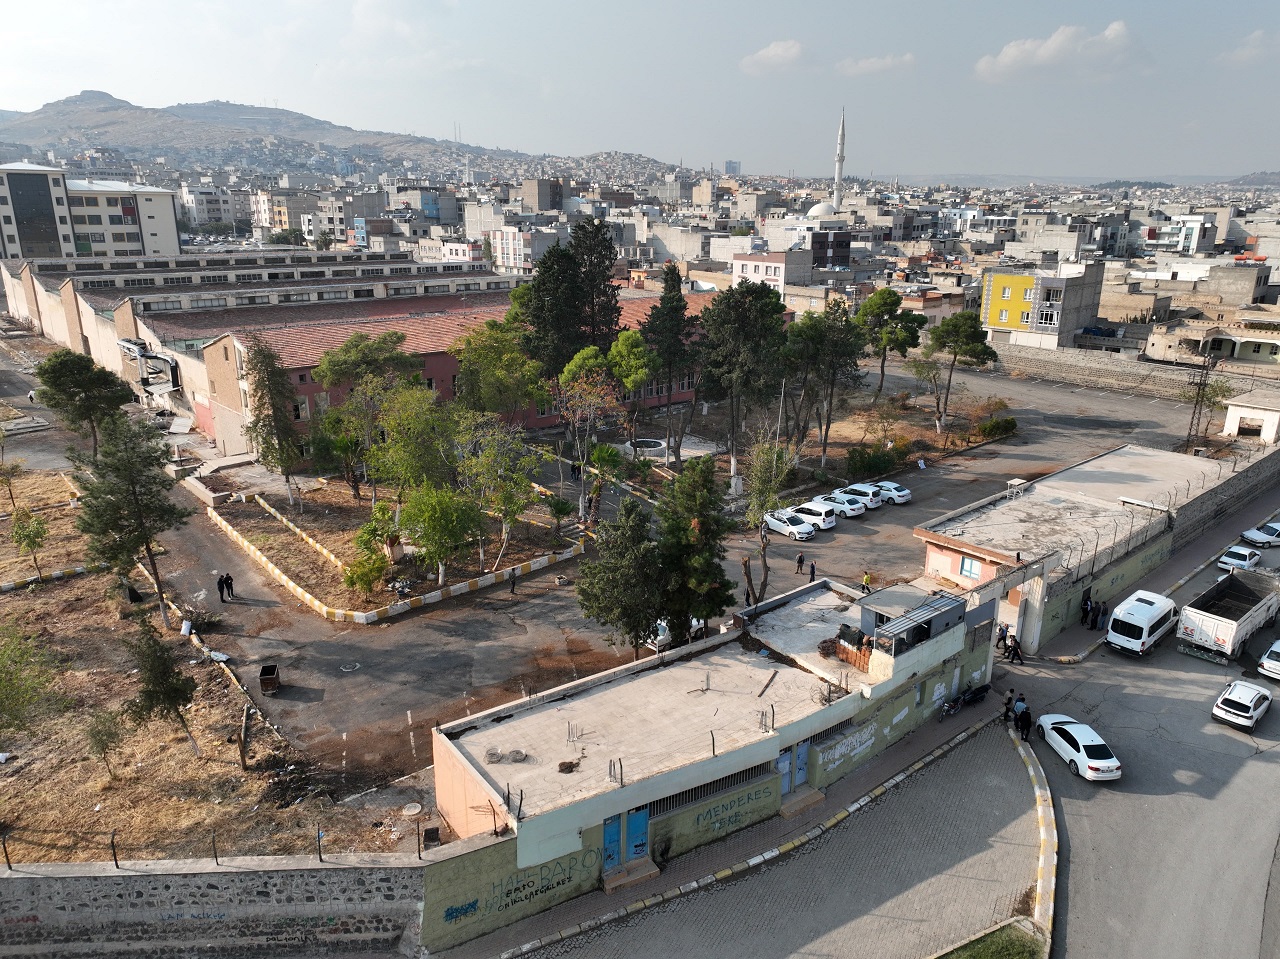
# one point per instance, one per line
(441, 522)
(669, 331)
(365, 573)
(560, 509)
(80, 392)
(25, 679)
(104, 733)
(822, 356)
(582, 401)
(1209, 395)
(361, 356)
(126, 502)
(497, 468)
(271, 427)
(552, 311)
(419, 445)
(290, 237)
(624, 587)
(768, 464)
(9, 473)
(494, 375)
(166, 691)
(486, 249)
(632, 364)
(958, 336)
(29, 532)
(742, 352)
(593, 251)
(692, 529)
(516, 318)
(324, 240)
(888, 327)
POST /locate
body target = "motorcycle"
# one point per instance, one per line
(970, 696)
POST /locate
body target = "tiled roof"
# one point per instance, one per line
(302, 348)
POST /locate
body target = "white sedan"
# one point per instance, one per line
(1264, 536)
(845, 506)
(817, 515)
(1242, 704)
(1270, 661)
(785, 521)
(893, 492)
(1239, 557)
(1080, 747)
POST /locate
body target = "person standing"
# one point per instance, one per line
(866, 581)
(1008, 708)
(222, 589)
(1002, 636)
(514, 573)
(1015, 650)
(1024, 723)
(1019, 705)
(1102, 621)
(799, 563)
(31, 396)
(1084, 611)
(231, 585)
(1095, 610)
(813, 572)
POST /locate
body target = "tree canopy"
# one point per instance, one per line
(271, 427)
(623, 588)
(593, 251)
(494, 375)
(80, 392)
(959, 336)
(552, 310)
(166, 690)
(362, 356)
(888, 327)
(669, 332)
(25, 678)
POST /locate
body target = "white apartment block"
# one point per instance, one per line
(44, 214)
(203, 204)
(517, 251)
(791, 267)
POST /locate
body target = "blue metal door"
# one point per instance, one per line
(784, 770)
(802, 764)
(612, 843)
(638, 833)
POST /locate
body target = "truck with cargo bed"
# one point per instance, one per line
(1218, 623)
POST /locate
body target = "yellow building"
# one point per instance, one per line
(1041, 308)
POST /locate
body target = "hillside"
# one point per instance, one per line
(1262, 179)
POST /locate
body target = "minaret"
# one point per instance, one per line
(838, 193)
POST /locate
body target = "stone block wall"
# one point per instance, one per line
(1234, 490)
(241, 908)
(1103, 370)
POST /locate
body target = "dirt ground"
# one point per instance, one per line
(332, 518)
(60, 803)
(64, 547)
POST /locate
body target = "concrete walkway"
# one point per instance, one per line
(950, 851)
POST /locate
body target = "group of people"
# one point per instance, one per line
(1009, 644)
(1017, 710)
(1093, 615)
(813, 567)
(226, 587)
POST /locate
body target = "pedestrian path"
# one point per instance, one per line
(948, 852)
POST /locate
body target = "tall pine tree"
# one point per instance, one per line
(553, 311)
(668, 329)
(591, 245)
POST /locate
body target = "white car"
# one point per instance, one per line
(894, 493)
(845, 506)
(785, 521)
(1264, 536)
(818, 515)
(1242, 704)
(1270, 661)
(869, 496)
(1239, 557)
(1081, 748)
(697, 630)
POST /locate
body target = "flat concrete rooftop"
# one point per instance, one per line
(1079, 509)
(654, 721)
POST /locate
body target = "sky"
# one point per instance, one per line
(1126, 88)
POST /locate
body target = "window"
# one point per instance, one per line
(332, 295)
(75, 201)
(214, 278)
(1027, 293)
(119, 238)
(293, 297)
(115, 219)
(175, 280)
(1275, 350)
(300, 411)
(1004, 316)
(135, 237)
(970, 568)
(252, 300)
(1006, 293)
(373, 272)
(248, 277)
(89, 200)
(98, 284)
(113, 201)
(207, 302)
(1026, 317)
(97, 238)
(1257, 347)
(156, 305)
(368, 294)
(302, 377)
(78, 219)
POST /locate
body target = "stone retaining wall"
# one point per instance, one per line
(1104, 370)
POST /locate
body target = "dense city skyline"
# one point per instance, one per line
(1096, 91)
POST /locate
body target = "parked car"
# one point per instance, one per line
(1082, 749)
(1242, 704)
(1239, 557)
(1264, 536)
(697, 630)
(869, 496)
(816, 514)
(1269, 663)
(893, 492)
(785, 521)
(845, 506)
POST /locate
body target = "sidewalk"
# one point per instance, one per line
(1017, 859)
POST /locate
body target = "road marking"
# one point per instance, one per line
(1037, 381)
(1080, 390)
(1103, 392)
(1156, 400)
(1058, 386)
(1180, 406)
(1058, 410)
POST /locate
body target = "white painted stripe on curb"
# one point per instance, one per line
(1047, 863)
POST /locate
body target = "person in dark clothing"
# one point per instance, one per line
(1094, 612)
(1024, 724)
(799, 562)
(1002, 636)
(1085, 607)
(231, 585)
(1008, 708)
(1015, 650)
(813, 572)
(222, 589)
(1102, 622)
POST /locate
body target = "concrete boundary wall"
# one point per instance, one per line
(393, 609)
(1104, 370)
(1203, 513)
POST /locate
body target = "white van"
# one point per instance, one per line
(1141, 621)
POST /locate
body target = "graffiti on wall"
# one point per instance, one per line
(731, 813)
(526, 885)
(849, 747)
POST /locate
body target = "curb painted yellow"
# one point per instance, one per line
(309, 540)
(52, 576)
(1047, 866)
(739, 868)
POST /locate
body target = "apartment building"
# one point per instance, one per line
(203, 204)
(517, 251)
(790, 267)
(1042, 308)
(336, 213)
(45, 214)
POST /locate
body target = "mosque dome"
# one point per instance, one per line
(822, 209)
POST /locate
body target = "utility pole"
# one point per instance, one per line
(1200, 407)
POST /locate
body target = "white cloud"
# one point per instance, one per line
(1064, 45)
(1251, 48)
(860, 68)
(779, 54)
